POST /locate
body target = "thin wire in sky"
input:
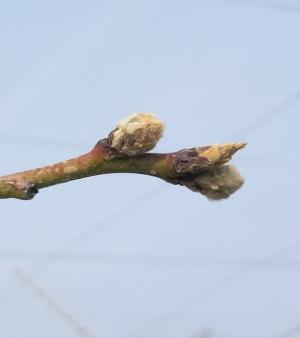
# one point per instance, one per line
(36, 141)
(260, 121)
(107, 223)
(283, 5)
(293, 332)
(263, 119)
(158, 261)
(267, 116)
(285, 164)
(212, 290)
(94, 229)
(80, 329)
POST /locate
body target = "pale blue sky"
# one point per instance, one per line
(140, 258)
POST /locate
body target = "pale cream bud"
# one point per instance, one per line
(217, 183)
(220, 153)
(136, 134)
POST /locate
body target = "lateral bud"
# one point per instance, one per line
(135, 135)
(217, 183)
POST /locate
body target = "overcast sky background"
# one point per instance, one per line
(140, 258)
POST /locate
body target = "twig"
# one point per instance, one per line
(201, 169)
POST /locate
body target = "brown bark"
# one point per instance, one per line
(201, 169)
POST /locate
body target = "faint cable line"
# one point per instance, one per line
(97, 227)
(267, 116)
(159, 261)
(226, 334)
(53, 304)
(279, 163)
(262, 119)
(258, 122)
(283, 6)
(106, 223)
(216, 287)
(293, 332)
(204, 333)
(282, 163)
(40, 141)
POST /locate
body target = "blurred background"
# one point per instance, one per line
(127, 256)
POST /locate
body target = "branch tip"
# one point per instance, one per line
(204, 170)
(220, 153)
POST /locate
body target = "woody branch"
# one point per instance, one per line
(125, 150)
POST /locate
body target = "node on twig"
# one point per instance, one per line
(125, 150)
